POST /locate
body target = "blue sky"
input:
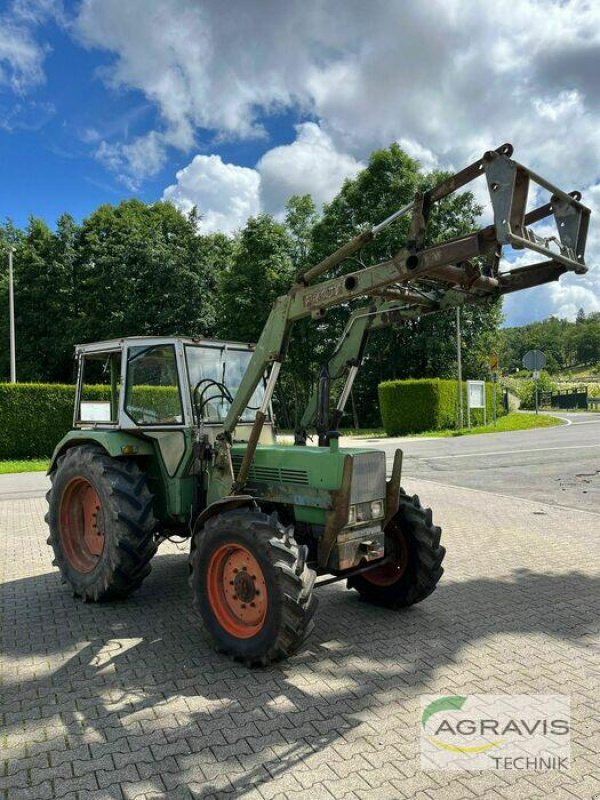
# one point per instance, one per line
(233, 107)
(46, 142)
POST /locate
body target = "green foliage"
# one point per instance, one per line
(127, 269)
(24, 465)
(34, 418)
(565, 344)
(524, 388)
(142, 265)
(413, 406)
(260, 271)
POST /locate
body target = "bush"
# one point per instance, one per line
(524, 388)
(429, 404)
(34, 417)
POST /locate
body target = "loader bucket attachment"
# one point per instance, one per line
(510, 184)
(424, 278)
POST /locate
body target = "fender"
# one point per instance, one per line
(113, 441)
(224, 504)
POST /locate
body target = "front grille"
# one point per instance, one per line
(272, 474)
(368, 477)
(293, 475)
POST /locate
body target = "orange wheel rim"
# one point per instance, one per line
(388, 574)
(81, 525)
(237, 591)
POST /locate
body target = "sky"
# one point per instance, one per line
(235, 106)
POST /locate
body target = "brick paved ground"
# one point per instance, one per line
(128, 700)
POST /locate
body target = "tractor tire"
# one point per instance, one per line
(251, 586)
(416, 569)
(101, 523)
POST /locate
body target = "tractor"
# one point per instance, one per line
(178, 439)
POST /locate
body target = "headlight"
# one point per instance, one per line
(364, 512)
(376, 509)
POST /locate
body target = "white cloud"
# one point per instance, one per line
(310, 165)
(447, 78)
(21, 56)
(133, 162)
(225, 194)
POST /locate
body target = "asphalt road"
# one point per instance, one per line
(559, 466)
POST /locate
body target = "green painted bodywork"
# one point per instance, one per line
(305, 478)
(113, 441)
(174, 493)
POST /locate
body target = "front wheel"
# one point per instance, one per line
(251, 587)
(416, 566)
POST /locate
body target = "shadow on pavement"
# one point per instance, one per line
(145, 668)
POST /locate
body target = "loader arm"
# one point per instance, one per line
(418, 280)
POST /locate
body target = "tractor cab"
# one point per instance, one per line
(163, 384)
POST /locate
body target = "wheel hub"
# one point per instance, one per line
(244, 586)
(390, 573)
(81, 524)
(237, 590)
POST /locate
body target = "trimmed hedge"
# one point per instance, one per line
(428, 404)
(35, 416)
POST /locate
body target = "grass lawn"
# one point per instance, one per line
(511, 422)
(24, 465)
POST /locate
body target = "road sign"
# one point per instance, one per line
(534, 360)
(493, 362)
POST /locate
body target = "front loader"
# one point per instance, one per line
(178, 439)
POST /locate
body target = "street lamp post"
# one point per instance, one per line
(461, 419)
(11, 314)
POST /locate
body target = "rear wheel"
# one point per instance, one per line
(101, 523)
(251, 587)
(416, 567)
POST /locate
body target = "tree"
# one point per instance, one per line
(43, 301)
(148, 271)
(261, 269)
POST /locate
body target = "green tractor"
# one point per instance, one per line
(180, 440)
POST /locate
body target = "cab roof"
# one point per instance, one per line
(116, 345)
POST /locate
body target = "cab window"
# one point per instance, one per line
(152, 394)
(215, 375)
(100, 387)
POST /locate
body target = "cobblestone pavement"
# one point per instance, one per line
(128, 700)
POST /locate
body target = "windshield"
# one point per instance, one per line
(214, 373)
